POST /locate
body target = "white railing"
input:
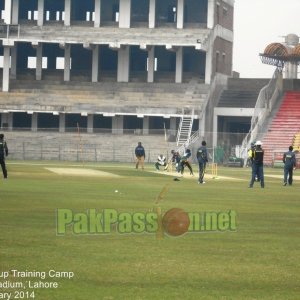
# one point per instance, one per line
(193, 138)
(266, 100)
(180, 128)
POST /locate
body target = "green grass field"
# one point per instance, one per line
(260, 260)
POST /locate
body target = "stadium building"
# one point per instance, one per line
(118, 66)
(86, 77)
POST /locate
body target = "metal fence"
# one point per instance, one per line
(108, 147)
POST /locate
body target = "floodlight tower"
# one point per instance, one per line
(284, 55)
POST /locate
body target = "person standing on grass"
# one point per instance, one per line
(184, 161)
(257, 165)
(289, 160)
(3, 154)
(140, 156)
(202, 158)
(249, 158)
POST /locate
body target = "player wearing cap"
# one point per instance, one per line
(258, 165)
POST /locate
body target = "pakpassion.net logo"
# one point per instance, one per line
(174, 222)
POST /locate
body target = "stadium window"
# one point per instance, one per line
(223, 60)
(93, 16)
(218, 12)
(217, 60)
(88, 16)
(35, 15)
(175, 13)
(29, 15)
(31, 62)
(2, 14)
(47, 15)
(60, 63)
(117, 16)
(60, 15)
(155, 64)
(44, 62)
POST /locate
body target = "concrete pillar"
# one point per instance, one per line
(34, 122)
(67, 12)
(202, 125)
(152, 15)
(173, 126)
(180, 14)
(125, 14)
(291, 70)
(210, 14)
(146, 125)
(95, 64)
(97, 22)
(179, 57)
(40, 21)
(67, 69)
(208, 64)
(123, 64)
(151, 64)
(294, 70)
(15, 12)
(39, 61)
(8, 11)
(117, 124)
(6, 62)
(13, 68)
(90, 123)
(62, 122)
(215, 131)
(6, 120)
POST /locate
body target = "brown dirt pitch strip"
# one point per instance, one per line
(82, 172)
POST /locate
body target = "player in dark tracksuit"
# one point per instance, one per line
(184, 162)
(3, 153)
(257, 165)
(289, 160)
(202, 158)
(140, 155)
(176, 159)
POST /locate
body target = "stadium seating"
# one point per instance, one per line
(283, 128)
(241, 92)
(161, 98)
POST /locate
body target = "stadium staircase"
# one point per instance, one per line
(284, 126)
(185, 128)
